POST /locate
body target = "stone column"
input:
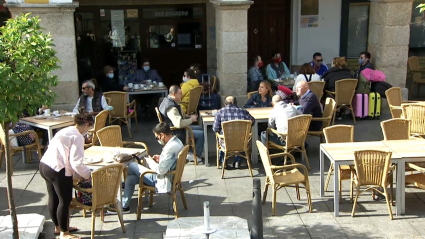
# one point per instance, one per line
(389, 35)
(58, 19)
(232, 47)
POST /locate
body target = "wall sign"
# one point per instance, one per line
(132, 13)
(309, 21)
(154, 13)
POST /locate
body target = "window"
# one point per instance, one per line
(417, 27)
(358, 25)
(162, 36)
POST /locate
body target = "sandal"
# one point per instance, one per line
(69, 237)
(71, 229)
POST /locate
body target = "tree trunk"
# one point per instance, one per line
(9, 165)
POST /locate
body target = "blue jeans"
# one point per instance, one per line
(273, 138)
(198, 134)
(132, 180)
(221, 157)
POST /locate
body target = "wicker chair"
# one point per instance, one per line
(120, 112)
(340, 134)
(416, 72)
(99, 123)
(317, 88)
(344, 93)
(176, 185)
(394, 99)
(396, 129)
(283, 176)
(326, 119)
(250, 94)
(416, 114)
(294, 138)
(236, 139)
(190, 139)
(194, 96)
(110, 136)
(105, 181)
(373, 169)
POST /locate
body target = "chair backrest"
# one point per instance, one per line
(344, 91)
(249, 95)
(236, 135)
(416, 114)
(328, 112)
(396, 129)
(413, 63)
(297, 130)
(110, 136)
(317, 88)
(119, 102)
(394, 98)
(106, 181)
(339, 134)
(181, 162)
(99, 123)
(194, 96)
(213, 83)
(158, 114)
(372, 166)
(265, 158)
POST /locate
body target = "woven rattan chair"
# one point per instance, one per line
(344, 93)
(416, 114)
(190, 139)
(99, 123)
(326, 118)
(176, 185)
(192, 103)
(235, 139)
(110, 136)
(317, 88)
(340, 134)
(394, 99)
(122, 110)
(105, 183)
(250, 94)
(283, 176)
(417, 73)
(294, 138)
(396, 129)
(373, 170)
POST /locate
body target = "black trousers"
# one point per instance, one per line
(59, 188)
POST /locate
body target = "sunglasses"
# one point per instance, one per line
(321, 60)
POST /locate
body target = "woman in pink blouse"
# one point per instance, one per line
(62, 160)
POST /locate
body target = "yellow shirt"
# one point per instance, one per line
(186, 87)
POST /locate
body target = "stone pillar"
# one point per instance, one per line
(389, 35)
(58, 19)
(232, 47)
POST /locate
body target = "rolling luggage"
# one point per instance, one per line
(361, 105)
(374, 105)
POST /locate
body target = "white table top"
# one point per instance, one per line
(414, 148)
(102, 152)
(49, 121)
(257, 113)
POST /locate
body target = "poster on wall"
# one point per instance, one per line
(309, 21)
(309, 7)
(118, 31)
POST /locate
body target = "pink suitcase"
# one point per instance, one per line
(361, 105)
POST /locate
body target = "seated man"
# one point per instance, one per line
(146, 73)
(161, 164)
(91, 101)
(171, 113)
(364, 61)
(318, 65)
(309, 104)
(231, 111)
(278, 119)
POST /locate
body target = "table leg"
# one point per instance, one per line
(400, 188)
(336, 189)
(206, 144)
(50, 133)
(128, 101)
(254, 150)
(322, 172)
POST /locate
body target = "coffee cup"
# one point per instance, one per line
(56, 112)
(47, 111)
(136, 86)
(160, 84)
(130, 85)
(149, 82)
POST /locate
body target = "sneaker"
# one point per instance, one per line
(191, 158)
(113, 211)
(236, 165)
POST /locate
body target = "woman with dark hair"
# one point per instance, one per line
(307, 73)
(254, 74)
(62, 160)
(262, 98)
(277, 69)
(107, 81)
(338, 72)
(189, 82)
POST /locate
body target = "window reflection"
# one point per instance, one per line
(161, 36)
(85, 43)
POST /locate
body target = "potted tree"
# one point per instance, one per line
(27, 60)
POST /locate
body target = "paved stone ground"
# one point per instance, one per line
(232, 197)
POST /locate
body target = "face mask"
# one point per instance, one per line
(361, 61)
(260, 64)
(185, 79)
(277, 60)
(146, 68)
(111, 75)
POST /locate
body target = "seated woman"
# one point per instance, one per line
(254, 74)
(108, 82)
(338, 72)
(262, 98)
(307, 73)
(277, 69)
(189, 82)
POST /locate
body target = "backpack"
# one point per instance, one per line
(373, 75)
(363, 87)
(381, 87)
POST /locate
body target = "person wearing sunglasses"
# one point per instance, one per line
(318, 65)
(91, 101)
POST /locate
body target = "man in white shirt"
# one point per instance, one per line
(278, 119)
(91, 101)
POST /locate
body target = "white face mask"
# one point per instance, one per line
(185, 79)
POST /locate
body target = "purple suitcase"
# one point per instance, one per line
(361, 105)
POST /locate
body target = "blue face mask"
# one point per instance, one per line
(361, 61)
(111, 75)
(146, 68)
